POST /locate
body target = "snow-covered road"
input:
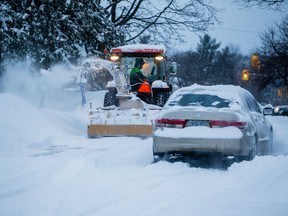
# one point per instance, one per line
(49, 167)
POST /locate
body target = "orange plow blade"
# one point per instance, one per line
(98, 130)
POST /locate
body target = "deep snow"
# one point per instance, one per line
(48, 166)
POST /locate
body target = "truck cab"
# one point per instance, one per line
(154, 68)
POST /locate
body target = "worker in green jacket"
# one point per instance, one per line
(136, 75)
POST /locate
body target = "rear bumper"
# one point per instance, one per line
(224, 144)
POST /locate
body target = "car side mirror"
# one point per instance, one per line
(268, 109)
(173, 68)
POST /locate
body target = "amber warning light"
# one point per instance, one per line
(245, 75)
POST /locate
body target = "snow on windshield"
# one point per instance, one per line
(218, 96)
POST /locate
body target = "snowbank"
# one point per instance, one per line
(21, 123)
(48, 166)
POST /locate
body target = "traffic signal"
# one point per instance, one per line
(245, 75)
(255, 61)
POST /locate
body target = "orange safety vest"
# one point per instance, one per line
(144, 87)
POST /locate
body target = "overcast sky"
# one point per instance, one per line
(239, 27)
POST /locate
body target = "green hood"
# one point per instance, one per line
(135, 70)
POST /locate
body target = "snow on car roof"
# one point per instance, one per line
(140, 48)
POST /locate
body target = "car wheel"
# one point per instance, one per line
(158, 157)
(270, 144)
(252, 153)
(110, 98)
(147, 98)
(161, 98)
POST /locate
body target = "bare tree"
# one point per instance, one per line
(273, 4)
(274, 56)
(162, 19)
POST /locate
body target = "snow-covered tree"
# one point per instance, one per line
(209, 64)
(47, 32)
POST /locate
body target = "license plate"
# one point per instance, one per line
(195, 123)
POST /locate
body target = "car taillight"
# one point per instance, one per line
(171, 123)
(216, 123)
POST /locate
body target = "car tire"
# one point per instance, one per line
(161, 98)
(252, 154)
(158, 157)
(270, 144)
(147, 98)
(253, 151)
(110, 98)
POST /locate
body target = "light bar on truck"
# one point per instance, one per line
(114, 57)
(139, 48)
(159, 57)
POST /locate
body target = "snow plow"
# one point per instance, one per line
(129, 108)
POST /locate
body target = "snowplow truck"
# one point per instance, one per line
(129, 108)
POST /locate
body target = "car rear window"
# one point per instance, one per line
(205, 100)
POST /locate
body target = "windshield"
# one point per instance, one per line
(149, 67)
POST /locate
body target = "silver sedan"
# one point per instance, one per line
(222, 119)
